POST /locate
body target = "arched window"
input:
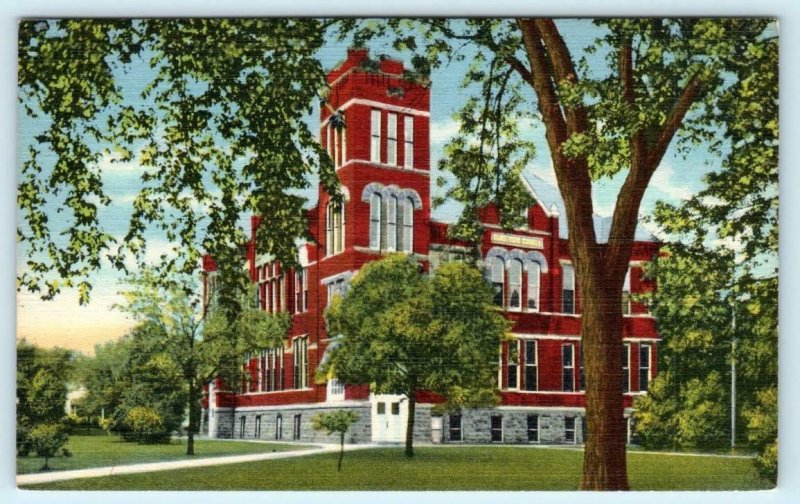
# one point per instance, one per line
(375, 221)
(334, 242)
(497, 278)
(391, 224)
(515, 284)
(408, 225)
(534, 273)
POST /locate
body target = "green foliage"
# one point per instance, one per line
(107, 424)
(403, 331)
(701, 421)
(217, 131)
(654, 414)
(46, 439)
(335, 422)
(145, 425)
(762, 432)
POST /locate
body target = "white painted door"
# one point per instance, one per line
(389, 418)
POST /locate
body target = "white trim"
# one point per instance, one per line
(284, 407)
(383, 106)
(367, 250)
(524, 229)
(545, 409)
(536, 197)
(577, 337)
(628, 388)
(269, 392)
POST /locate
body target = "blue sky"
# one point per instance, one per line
(63, 322)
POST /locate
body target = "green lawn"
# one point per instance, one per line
(438, 468)
(102, 450)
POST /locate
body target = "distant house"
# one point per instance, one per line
(382, 158)
(74, 396)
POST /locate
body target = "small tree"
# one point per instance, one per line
(46, 440)
(336, 422)
(403, 332)
(145, 425)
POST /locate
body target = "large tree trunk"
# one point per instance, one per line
(194, 414)
(604, 462)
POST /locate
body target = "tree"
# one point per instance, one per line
(204, 342)
(404, 332)
(217, 127)
(336, 422)
(642, 87)
(46, 439)
(762, 423)
(42, 376)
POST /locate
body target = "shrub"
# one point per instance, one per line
(46, 440)
(107, 424)
(145, 425)
(762, 432)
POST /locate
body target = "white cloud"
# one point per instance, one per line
(111, 163)
(443, 131)
(666, 180)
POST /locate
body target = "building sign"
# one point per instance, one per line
(517, 240)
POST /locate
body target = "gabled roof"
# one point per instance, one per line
(549, 197)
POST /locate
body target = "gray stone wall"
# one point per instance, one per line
(230, 426)
(476, 426)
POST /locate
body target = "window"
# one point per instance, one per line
(375, 137)
(300, 355)
(391, 224)
(533, 428)
(336, 159)
(644, 367)
(626, 372)
(515, 284)
(381, 408)
(391, 139)
(497, 428)
(512, 375)
(626, 294)
(344, 142)
(329, 134)
(272, 370)
(455, 428)
(567, 289)
(262, 287)
(335, 288)
(335, 390)
(284, 296)
(300, 290)
(497, 278)
(279, 427)
(407, 241)
(569, 429)
(568, 368)
(534, 273)
(583, 375)
(334, 242)
(375, 221)
(531, 366)
(395, 408)
(257, 433)
(296, 427)
(408, 140)
(242, 424)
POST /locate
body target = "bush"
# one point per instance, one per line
(145, 425)
(762, 432)
(46, 440)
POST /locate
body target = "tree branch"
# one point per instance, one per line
(689, 96)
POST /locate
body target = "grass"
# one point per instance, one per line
(101, 450)
(439, 468)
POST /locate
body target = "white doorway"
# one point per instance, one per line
(389, 418)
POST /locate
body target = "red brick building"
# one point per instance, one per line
(382, 158)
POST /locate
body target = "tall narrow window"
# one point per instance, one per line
(300, 354)
(257, 433)
(497, 429)
(391, 139)
(515, 284)
(329, 134)
(644, 367)
(298, 290)
(296, 427)
(534, 272)
(626, 371)
(533, 428)
(567, 289)
(284, 295)
(454, 422)
(497, 277)
(344, 144)
(531, 366)
(336, 160)
(305, 290)
(242, 424)
(408, 225)
(626, 294)
(375, 221)
(583, 375)
(375, 137)
(329, 231)
(568, 367)
(279, 426)
(512, 375)
(335, 229)
(391, 224)
(408, 140)
(569, 429)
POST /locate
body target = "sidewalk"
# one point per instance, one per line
(96, 472)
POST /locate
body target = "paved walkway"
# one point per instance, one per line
(96, 472)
